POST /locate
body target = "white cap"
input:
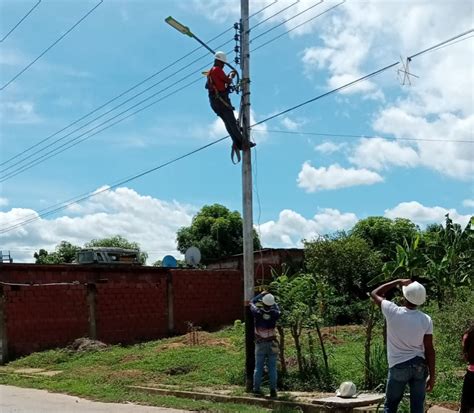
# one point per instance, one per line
(268, 299)
(221, 56)
(346, 389)
(414, 293)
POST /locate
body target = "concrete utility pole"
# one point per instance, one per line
(247, 196)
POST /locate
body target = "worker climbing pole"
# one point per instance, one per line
(219, 85)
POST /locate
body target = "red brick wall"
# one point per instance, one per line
(131, 303)
(131, 311)
(44, 317)
(208, 299)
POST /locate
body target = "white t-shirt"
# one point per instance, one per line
(405, 331)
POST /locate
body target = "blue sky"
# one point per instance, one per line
(305, 183)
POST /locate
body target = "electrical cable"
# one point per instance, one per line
(114, 99)
(21, 20)
(109, 111)
(287, 20)
(50, 47)
(62, 206)
(297, 26)
(342, 135)
(131, 88)
(57, 150)
(273, 15)
(136, 176)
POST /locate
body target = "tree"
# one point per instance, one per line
(216, 231)
(383, 234)
(297, 296)
(342, 267)
(118, 241)
(64, 253)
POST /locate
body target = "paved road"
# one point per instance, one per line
(19, 400)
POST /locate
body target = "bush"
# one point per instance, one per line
(451, 322)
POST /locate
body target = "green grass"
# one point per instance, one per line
(217, 363)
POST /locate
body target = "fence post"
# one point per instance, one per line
(91, 301)
(3, 328)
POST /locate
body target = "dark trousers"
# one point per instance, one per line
(467, 395)
(226, 113)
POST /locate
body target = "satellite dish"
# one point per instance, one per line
(192, 256)
(169, 261)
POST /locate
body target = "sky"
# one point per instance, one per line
(382, 147)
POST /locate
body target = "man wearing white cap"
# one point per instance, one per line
(410, 351)
(266, 313)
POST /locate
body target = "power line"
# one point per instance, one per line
(445, 42)
(51, 46)
(139, 175)
(273, 15)
(62, 206)
(106, 113)
(297, 26)
(113, 99)
(57, 150)
(133, 87)
(342, 135)
(21, 20)
(287, 20)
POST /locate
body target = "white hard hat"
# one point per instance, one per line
(221, 56)
(346, 389)
(415, 293)
(268, 299)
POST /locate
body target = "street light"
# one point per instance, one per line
(178, 26)
(175, 24)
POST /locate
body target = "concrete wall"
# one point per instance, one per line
(47, 306)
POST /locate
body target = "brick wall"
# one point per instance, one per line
(47, 306)
(206, 298)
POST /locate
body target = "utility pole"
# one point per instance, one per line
(247, 197)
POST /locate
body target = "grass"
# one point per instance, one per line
(216, 362)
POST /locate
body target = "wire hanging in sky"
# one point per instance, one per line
(360, 136)
(50, 47)
(134, 87)
(112, 100)
(136, 176)
(21, 20)
(75, 141)
(66, 204)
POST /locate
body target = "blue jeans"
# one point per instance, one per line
(265, 351)
(412, 372)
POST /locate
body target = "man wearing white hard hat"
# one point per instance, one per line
(410, 351)
(266, 313)
(218, 87)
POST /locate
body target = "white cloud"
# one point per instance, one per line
(316, 179)
(149, 221)
(291, 227)
(423, 215)
(20, 112)
(454, 159)
(438, 105)
(469, 203)
(3, 201)
(290, 124)
(329, 147)
(380, 153)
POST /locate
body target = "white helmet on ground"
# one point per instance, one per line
(268, 299)
(415, 293)
(347, 389)
(221, 56)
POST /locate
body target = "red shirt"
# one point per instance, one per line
(218, 79)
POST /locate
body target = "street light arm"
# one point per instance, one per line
(187, 31)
